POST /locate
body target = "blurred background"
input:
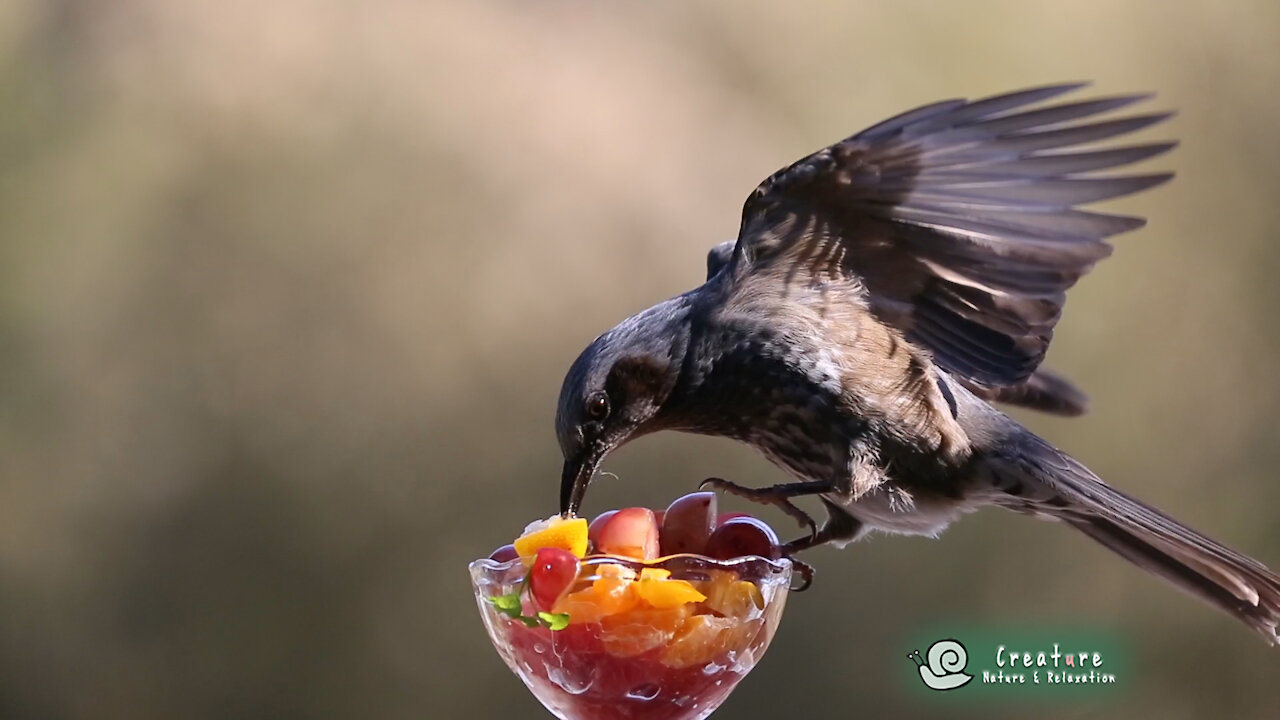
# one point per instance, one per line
(287, 291)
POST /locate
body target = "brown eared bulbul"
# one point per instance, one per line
(881, 292)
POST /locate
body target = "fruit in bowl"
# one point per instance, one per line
(638, 614)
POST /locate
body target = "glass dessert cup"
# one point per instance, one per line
(645, 664)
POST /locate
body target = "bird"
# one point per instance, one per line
(882, 293)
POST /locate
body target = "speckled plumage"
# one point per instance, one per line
(880, 292)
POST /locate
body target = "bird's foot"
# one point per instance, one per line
(804, 571)
(777, 496)
(839, 527)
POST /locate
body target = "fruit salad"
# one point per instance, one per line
(638, 614)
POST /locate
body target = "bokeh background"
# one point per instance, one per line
(287, 290)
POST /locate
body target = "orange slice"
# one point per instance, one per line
(658, 590)
(604, 597)
(568, 534)
(700, 641)
(641, 630)
(730, 597)
(707, 638)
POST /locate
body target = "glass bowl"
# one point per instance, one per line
(638, 665)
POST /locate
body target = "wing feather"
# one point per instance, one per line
(957, 222)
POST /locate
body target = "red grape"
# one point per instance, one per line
(553, 571)
(632, 532)
(593, 530)
(741, 536)
(687, 523)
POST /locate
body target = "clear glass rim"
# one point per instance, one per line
(781, 565)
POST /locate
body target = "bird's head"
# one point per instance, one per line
(614, 392)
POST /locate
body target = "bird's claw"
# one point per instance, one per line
(804, 571)
(764, 496)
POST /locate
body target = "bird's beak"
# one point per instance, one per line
(578, 472)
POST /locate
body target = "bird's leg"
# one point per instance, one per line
(777, 495)
(840, 525)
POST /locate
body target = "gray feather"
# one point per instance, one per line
(956, 221)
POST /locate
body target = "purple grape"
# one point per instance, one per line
(505, 553)
(688, 523)
(741, 536)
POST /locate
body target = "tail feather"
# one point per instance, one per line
(1239, 585)
(1229, 589)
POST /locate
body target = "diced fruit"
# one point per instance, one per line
(730, 597)
(565, 533)
(581, 607)
(724, 517)
(605, 596)
(553, 571)
(741, 536)
(707, 638)
(630, 532)
(687, 523)
(505, 553)
(657, 589)
(641, 630)
(615, 570)
(593, 530)
(701, 639)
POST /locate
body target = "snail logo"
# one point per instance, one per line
(945, 669)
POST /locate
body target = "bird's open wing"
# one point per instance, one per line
(955, 222)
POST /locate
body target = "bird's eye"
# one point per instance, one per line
(598, 405)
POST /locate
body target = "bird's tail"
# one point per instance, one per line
(1044, 481)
